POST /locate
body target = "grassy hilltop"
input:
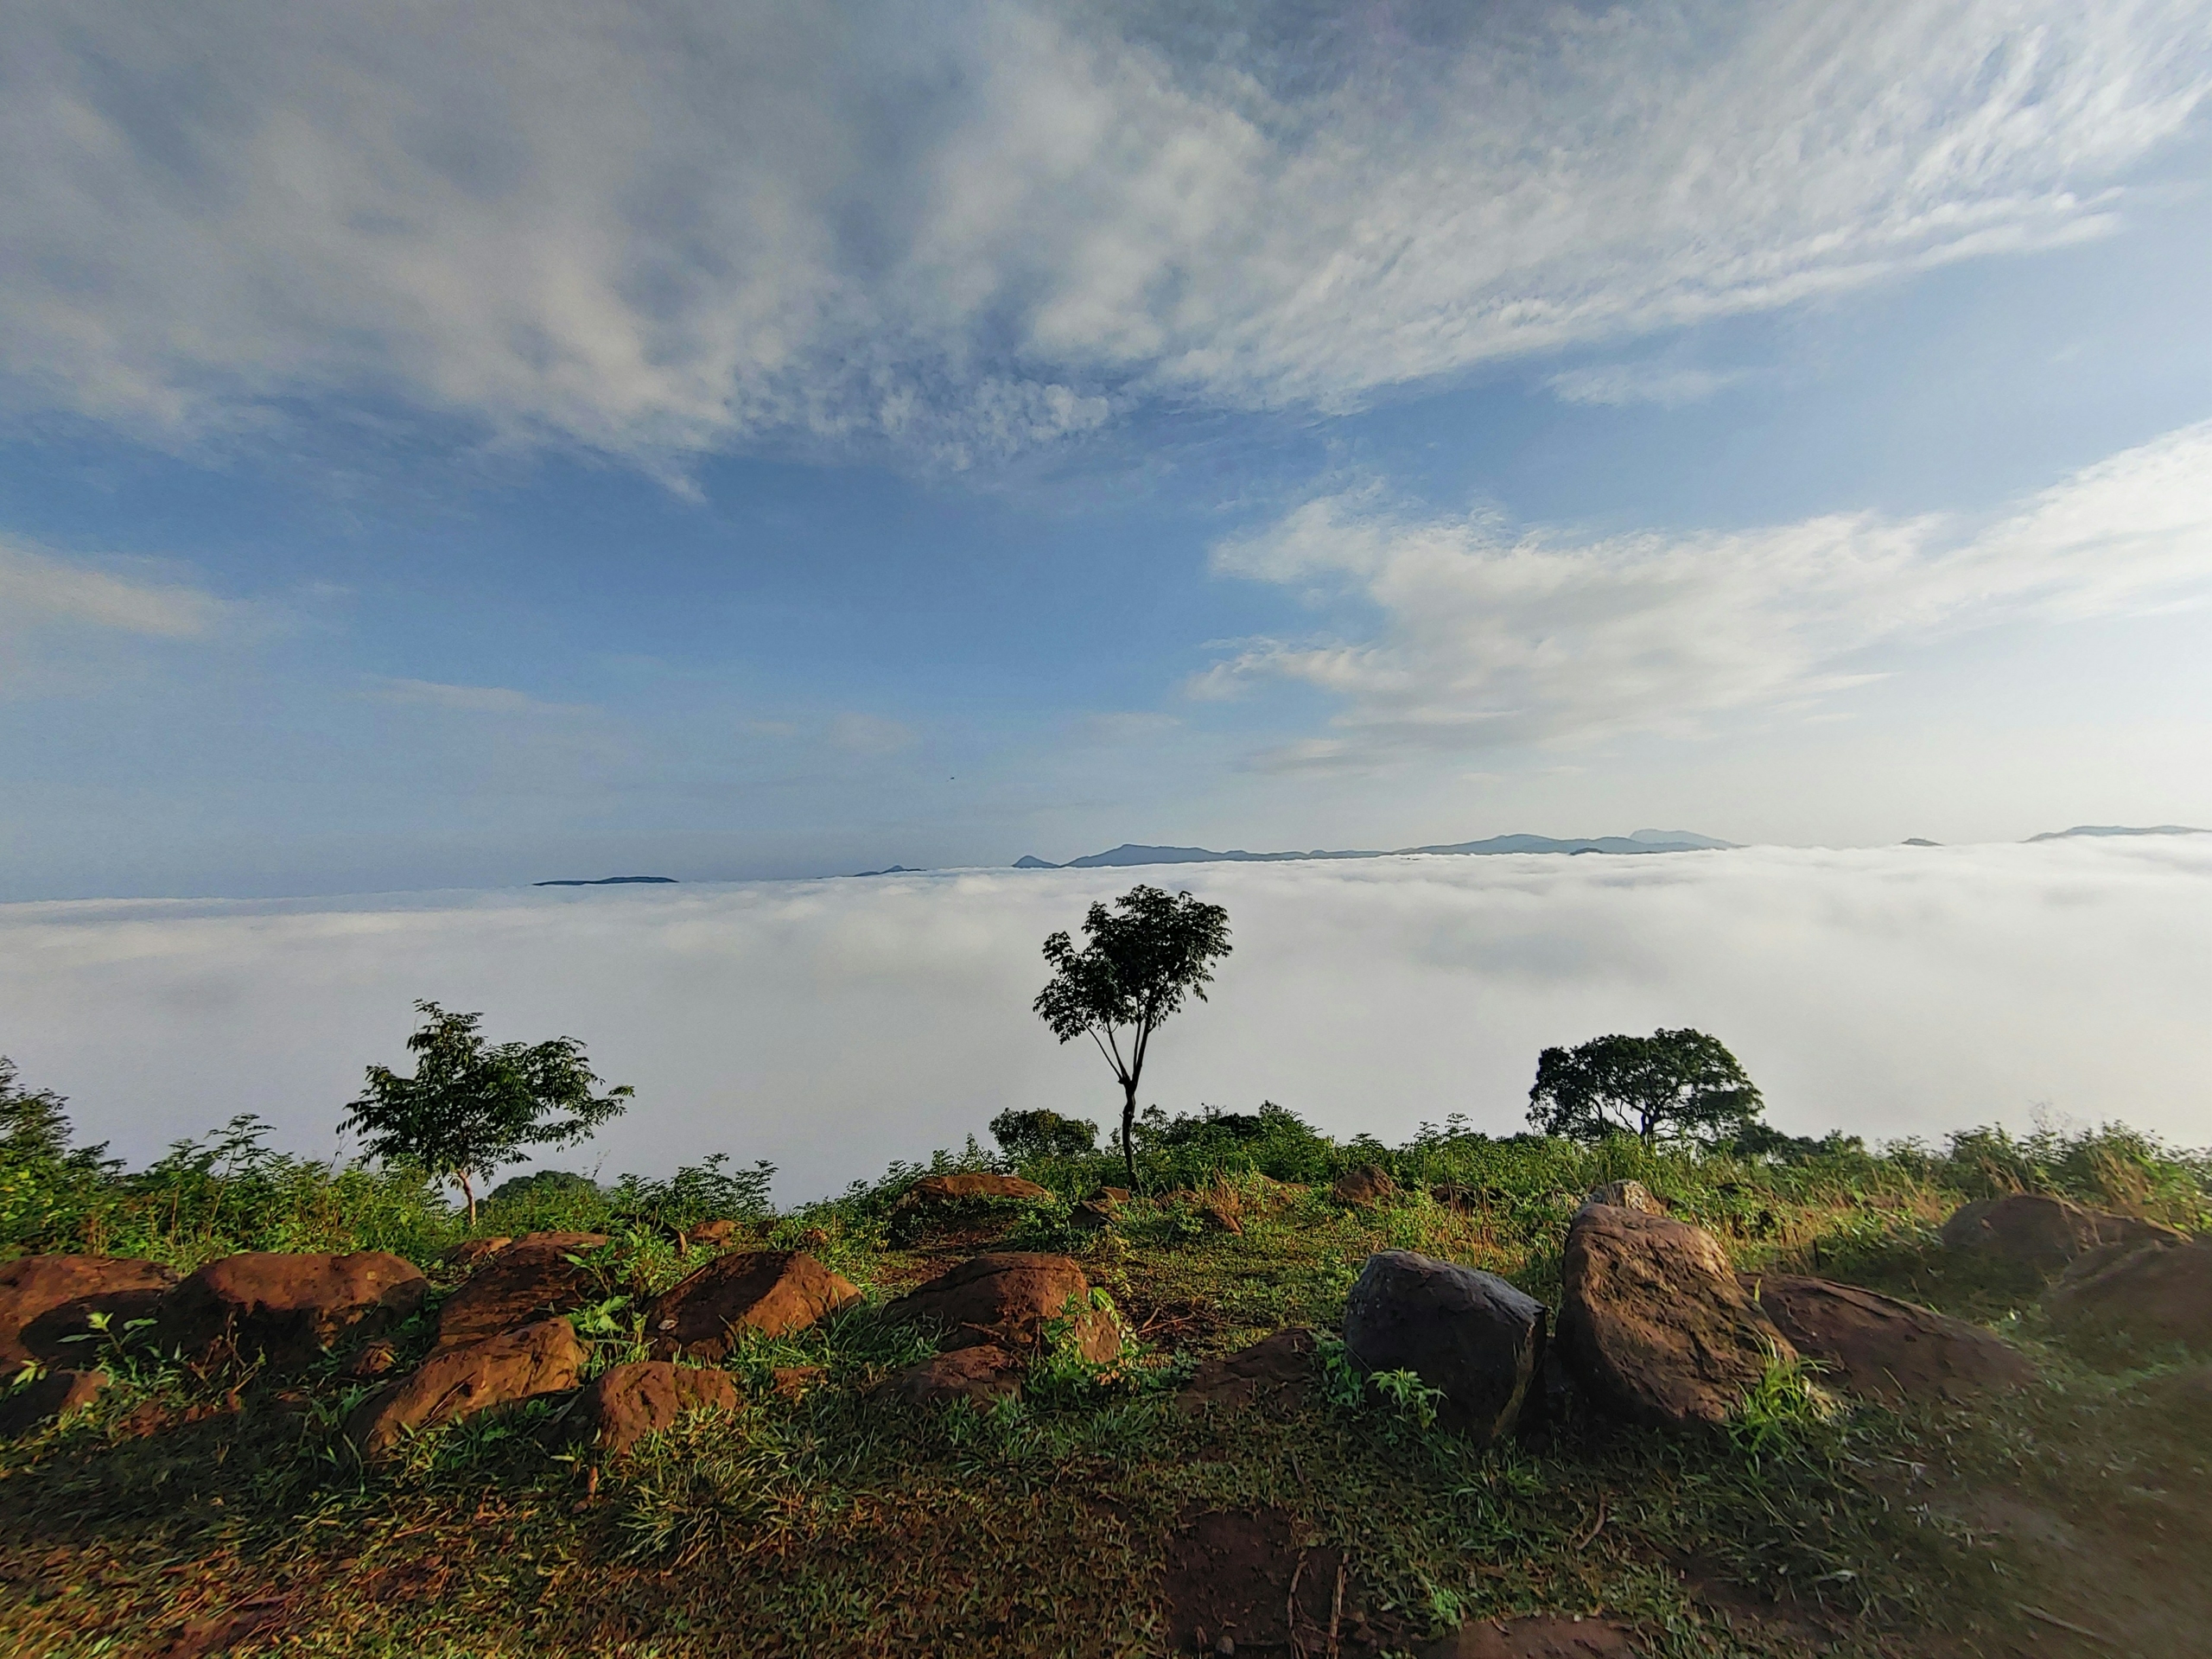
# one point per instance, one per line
(191, 1511)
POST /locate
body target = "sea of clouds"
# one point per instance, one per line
(832, 1026)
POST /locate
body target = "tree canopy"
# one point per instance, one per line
(471, 1107)
(1144, 955)
(1039, 1133)
(1671, 1083)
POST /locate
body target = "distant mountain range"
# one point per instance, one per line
(2118, 829)
(1643, 841)
(606, 881)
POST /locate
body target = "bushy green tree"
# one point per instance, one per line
(1144, 956)
(471, 1107)
(44, 1181)
(1671, 1084)
(1042, 1134)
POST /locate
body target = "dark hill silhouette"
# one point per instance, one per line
(1643, 841)
(607, 881)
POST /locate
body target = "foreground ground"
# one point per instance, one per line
(192, 1511)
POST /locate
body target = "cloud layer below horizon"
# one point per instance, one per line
(967, 228)
(832, 1026)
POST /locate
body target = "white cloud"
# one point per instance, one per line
(1491, 637)
(40, 590)
(471, 699)
(833, 1026)
(1617, 385)
(967, 227)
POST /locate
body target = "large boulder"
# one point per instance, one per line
(2040, 1234)
(773, 1292)
(1462, 1331)
(1627, 1195)
(1882, 1348)
(1007, 1297)
(1653, 1322)
(44, 1299)
(984, 1374)
(970, 1187)
(624, 1405)
(1279, 1366)
(287, 1308)
(457, 1382)
(537, 1276)
(1363, 1187)
(2159, 1295)
(58, 1394)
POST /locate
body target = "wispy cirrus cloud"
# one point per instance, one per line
(42, 589)
(471, 699)
(1491, 636)
(72, 621)
(966, 228)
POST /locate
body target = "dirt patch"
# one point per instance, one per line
(1544, 1637)
(201, 1638)
(1246, 1576)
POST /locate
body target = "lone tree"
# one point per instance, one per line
(1672, 1083)
(1043, 1133)
(1145, 955)
(470, 1106)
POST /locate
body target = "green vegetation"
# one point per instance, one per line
(1670, 1084)
(835, 1519)
(1144, 956)
(470, 1106)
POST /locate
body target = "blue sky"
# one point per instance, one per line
(457, 450)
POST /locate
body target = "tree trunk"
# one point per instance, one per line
(469, 1193)
(1128, 1128)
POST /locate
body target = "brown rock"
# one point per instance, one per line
(475, 1252)
(1007, 1297)
(1115, 1197)
(289, 1307)
(1653, 1322)
(2152, 1296)
(1467, 1332)
(773, 1292)
(1275, 1367)
(460, 1382)
(2041, 1234)
(532, 1278)
(710, 1235)
(984, 1373)
(970, 1187)
(575, 1243)
(54, 1396)
(1365, 1186)
(44, 1299)
(624, 1405)
(1882, 1348)
(1627, 1195)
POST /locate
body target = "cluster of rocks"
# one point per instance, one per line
(2116, 1279)
(505, 1335)
(1654, 1325)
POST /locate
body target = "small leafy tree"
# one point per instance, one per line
(470, 1106)
(1672, 1083)
(1145, 955)
(1042, 1134)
